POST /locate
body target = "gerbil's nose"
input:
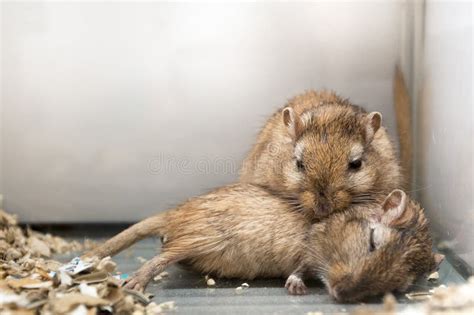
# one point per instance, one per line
(323, 209)
(340, 291)
(346, 289)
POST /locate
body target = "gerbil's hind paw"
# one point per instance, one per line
(135, 283)
(295, 285)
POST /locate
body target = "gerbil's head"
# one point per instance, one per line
(367, 253)
(335, 163)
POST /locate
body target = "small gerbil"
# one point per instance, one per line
(369, 250)
(243, 231)
(325, 153)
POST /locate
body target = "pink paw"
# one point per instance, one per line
(295, 285)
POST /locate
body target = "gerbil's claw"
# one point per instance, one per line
(134, 283)
(295, 285)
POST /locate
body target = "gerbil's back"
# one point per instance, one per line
(239, 230)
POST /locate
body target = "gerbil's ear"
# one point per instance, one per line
(396, 212)
(374, 121)
(437, 260)
(292, 122)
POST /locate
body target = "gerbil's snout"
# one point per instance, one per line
(323, 206)
(345, 289)
(334, 292)
(341, 282)
(316, 202)
(322, 210)
(337, 289)
(327, 201)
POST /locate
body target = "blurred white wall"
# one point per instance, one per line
(112, 111)
(444, 169)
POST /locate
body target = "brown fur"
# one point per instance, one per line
(243, 231)
(327, 128)
(351, 271)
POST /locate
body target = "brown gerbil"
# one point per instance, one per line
(243, 231)
(325, 153)
(368, 251)
(239, 231)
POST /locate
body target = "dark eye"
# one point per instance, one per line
(372, 243)
(355, 165)
(300, 165)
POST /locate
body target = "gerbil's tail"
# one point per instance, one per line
(143, 229)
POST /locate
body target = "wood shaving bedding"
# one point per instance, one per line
(33, 283)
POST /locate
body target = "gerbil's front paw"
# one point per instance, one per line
(295, 285)
(136, 283)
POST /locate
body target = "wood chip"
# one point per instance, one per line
(141, 259)
(389, 303)
(211, 282)
(88, 290)
(418, 296)
(94, 277)
(64, 278)
(67, 302)
(10, 298)
(153, 308)
(107, 265)
(434, 276)
(28, 283)
(7, 219)
(39, 247)
(161, 276)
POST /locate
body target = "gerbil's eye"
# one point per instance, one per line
(372, 246)
(355, 165)
(300, 165)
